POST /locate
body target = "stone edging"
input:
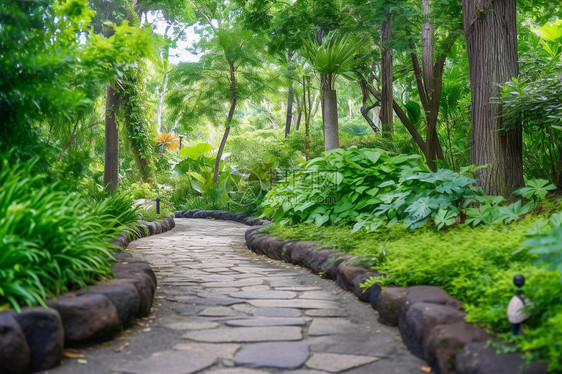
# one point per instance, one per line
(34, 339)
(431, 322)
(222, 215)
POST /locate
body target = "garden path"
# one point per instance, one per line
(221, 309)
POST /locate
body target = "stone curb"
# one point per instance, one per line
(34, 339)
(222, 215)
(430, 320)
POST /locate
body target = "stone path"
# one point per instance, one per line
(222, 309)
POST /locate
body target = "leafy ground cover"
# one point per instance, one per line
(474, 264)
(423, 228)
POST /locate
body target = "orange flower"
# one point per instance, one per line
(166, 139)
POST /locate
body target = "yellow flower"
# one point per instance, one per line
(168, 140)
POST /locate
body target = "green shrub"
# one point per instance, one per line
(51, 240)
(368, 187)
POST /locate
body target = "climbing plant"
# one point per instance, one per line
(134, 116)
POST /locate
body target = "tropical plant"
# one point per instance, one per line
(535, 189)
(368, 187)
(333, 56)
(168, 141)
(532, 100)
(547, 243)
(51, 241)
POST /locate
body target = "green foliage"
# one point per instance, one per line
(52, 69)
(475, 265)
(490, 211)
(413, 110)
(367, 187)
(335, 56)
(547, 242)
(445, 218)
(512, 212)
(485, 214)
(52, 241)
(134, 116)
(200, 90)
(535, 189)
(41, 75)
(533, 100)
(149, 213)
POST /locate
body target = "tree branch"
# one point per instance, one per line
(206, 17)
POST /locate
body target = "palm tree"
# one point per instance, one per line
(333, 57)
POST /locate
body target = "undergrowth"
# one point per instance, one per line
(53, 240)
(473, 264)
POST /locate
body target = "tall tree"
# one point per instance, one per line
(287, 24)
(111, 150)
(333, 57)
(227, 73)
(426, 29)
(491, 36)
(386, 112)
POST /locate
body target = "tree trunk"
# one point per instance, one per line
(434, 149)
(299, 114)
(70, 140)
(290, 96)
(228, 122)
(111, 164)
(386, 78)
(490, 28)
(219, 153)
(427, 48)
(365, 109)
(315, 105)
(330, 119)
(307, 109)
(403, 118)
(164, 85)
(161, 100)
(272, 120)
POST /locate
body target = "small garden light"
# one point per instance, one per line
(515, 313)
(157, 205)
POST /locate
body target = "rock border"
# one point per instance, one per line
(222, 215)
(430, 321)
(34, 339)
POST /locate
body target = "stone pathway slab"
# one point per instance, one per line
(330, 326)
(276, 312)
(277, 295)
(170, 362)
(334, 363)
(264, 322)
(190, 325)
(284, 355)
(300, 304)
(221, 350)
(245, 334)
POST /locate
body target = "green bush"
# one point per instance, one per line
(51, 240)
(368, 187)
